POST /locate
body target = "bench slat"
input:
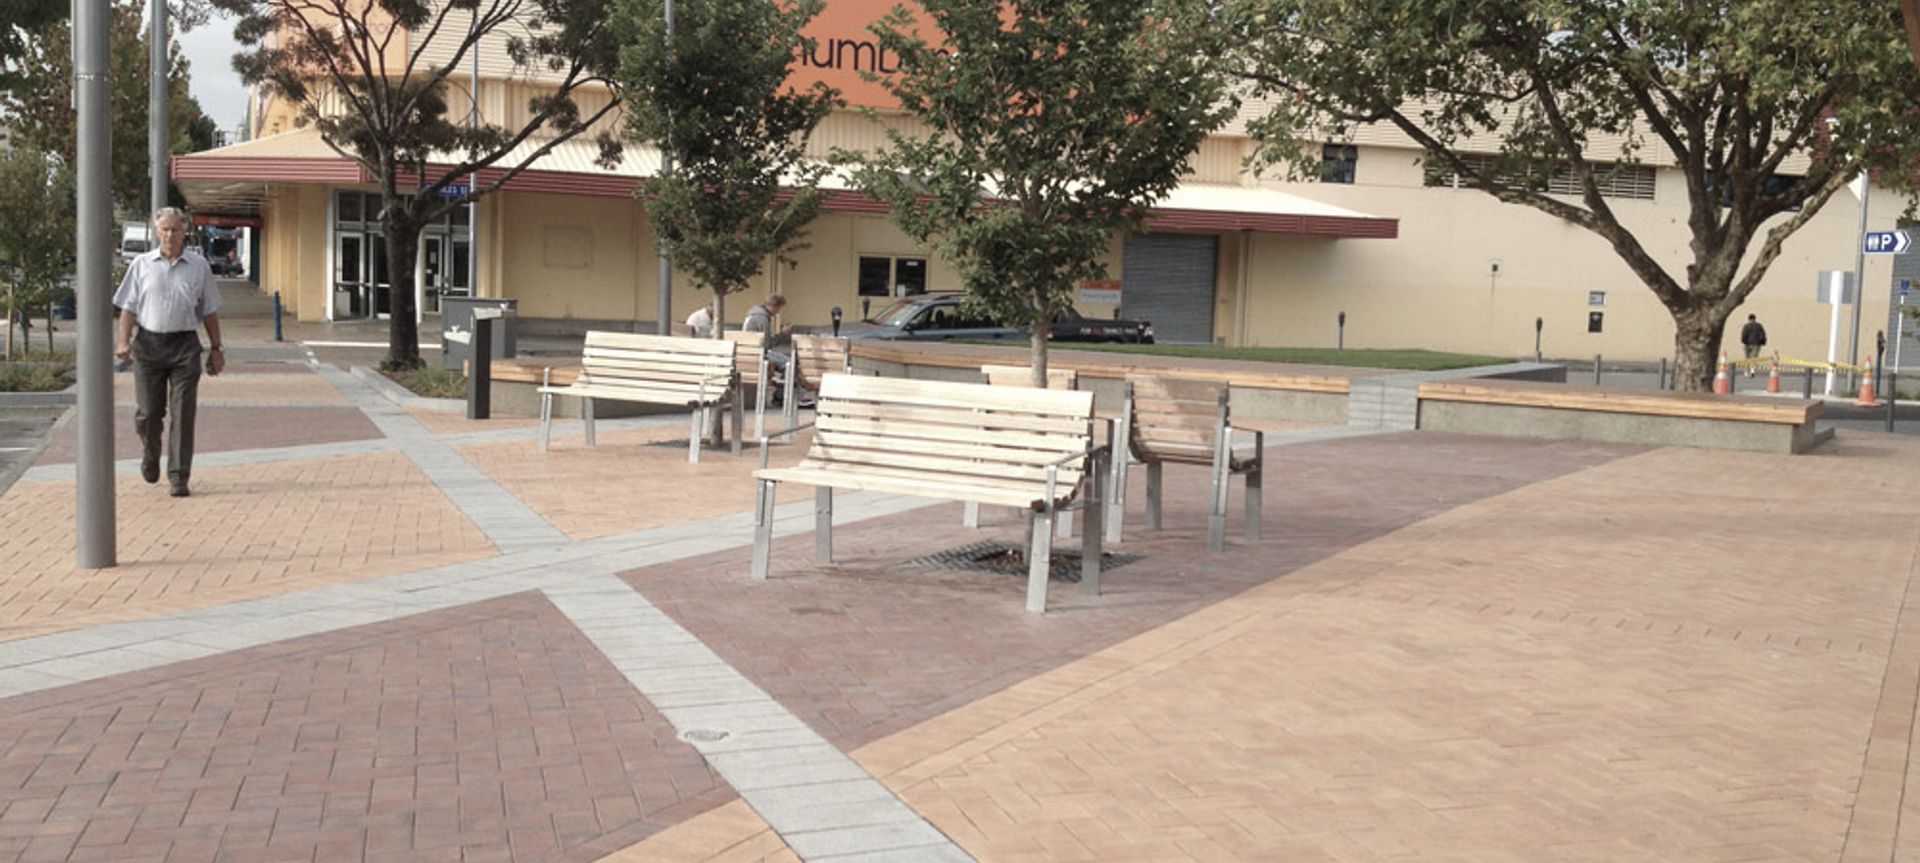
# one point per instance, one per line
(921, 434)
(1161, 387)
(939, 394)
(909, 485)
(661, 344)
(1654, 403)
(635, 394)
(634, 360)
(936, 469)
(953, 417)
(1171, 408)
(937, 454)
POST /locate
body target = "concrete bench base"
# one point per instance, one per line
(1630, 428)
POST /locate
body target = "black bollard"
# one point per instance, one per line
(276, 316)
(1806, 388)
(1596, 370)
(1663, 373)
(1893, 395)
(480, 369)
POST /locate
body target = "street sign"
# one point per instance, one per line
(1894, 242)
(455, 190)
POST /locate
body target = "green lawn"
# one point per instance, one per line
(1416, 360)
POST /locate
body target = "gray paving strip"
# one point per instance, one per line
(32, 664)
(508, 523)
(776, 763)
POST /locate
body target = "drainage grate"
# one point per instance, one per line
(1001, 558)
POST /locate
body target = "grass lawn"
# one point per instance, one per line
(1415, 360)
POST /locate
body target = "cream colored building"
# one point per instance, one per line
(1228, 258)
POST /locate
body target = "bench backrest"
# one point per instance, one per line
(748, 349)
(817, 356)
(1022, 376)
(1175, 419)
(943, 432)
(658, 363)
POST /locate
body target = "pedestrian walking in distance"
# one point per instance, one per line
(166, 297)
(1753, 338)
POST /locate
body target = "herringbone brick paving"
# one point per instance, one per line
(220, 428)
(247, 532)
(490, 732)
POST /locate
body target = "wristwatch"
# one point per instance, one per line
(214, 348)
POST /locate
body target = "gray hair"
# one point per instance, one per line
(173, 213)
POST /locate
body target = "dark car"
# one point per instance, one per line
(944, 316)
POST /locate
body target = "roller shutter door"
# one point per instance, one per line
(1168, 279)
(1906, 265)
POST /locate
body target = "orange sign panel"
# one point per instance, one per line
(845, 49)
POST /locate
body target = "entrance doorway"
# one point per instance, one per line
(350, 283)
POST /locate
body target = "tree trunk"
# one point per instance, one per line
(1697, 335)
(49, 329)
(403, 332)
(1038, 355)
(8, 353)
(716, 427)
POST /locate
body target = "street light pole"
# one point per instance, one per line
(664, 305)
(94, 527)
(1859, 266)
(157, 109)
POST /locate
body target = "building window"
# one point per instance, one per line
(1337, 162)
(884, 276)
(1632, 182)
(1594, 320)
(1596, 298)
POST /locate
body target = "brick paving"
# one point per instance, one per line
(489, 732)
(246, 532)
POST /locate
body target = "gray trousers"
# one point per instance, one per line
(166, 379)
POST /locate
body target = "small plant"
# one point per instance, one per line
(24, 377)
(431, 382)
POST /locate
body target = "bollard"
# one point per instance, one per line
(276, 316)
(1893, 395)
(1596, 370)
(480, 363)
(1806, 389)
(1663, 373)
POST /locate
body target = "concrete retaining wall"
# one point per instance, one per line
(1557, 424)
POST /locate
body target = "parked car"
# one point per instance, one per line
(945, 316)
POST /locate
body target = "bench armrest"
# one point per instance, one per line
(768, 438)
(1259, 440)
(1053, 470)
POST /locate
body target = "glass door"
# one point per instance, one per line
(350, 298)
(434, 272)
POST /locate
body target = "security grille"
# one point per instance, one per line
(1000, 558)
(1167, 280)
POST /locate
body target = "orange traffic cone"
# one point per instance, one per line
(1773, 375)
(1721, 383)
(1867, 395)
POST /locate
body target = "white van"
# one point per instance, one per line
(136, 238)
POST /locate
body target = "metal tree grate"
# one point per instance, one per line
(1002, 558)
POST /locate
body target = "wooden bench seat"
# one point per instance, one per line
(1005, 446)
(1185, 421)
(1614, 400)
(813, 358)
(660, 370)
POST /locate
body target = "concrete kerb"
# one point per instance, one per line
(400, 396)
(18, 469)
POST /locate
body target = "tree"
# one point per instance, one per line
(1731, 91)
(37, 96)
(36, 234)
(714, 96)
(354, 69)
(1053, 124)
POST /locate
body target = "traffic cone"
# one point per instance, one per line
(1721, 383)
(1773, 375)
(1867, 395)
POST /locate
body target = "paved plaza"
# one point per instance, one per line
(380, 633)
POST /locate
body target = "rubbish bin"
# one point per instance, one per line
(456, 316)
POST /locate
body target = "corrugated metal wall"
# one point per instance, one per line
(1167, 279)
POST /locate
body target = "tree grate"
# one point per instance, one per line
(1002, 558)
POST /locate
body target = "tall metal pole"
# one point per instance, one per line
(157, 108)
(1859, 266)
(95, 542)
(664, 308)
(473, 179)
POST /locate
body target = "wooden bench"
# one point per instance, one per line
(660, 370)
(1184, 421)
(813, 358)
(1022, 376)
(750, 361)
(1007, 446)
(1619, 415)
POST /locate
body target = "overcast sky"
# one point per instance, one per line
(210, 49)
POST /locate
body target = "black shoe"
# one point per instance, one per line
(179, 489)
(150, 470)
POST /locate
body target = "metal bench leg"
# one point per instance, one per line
(762, 530)
(586, 413)
(1217, 498)
(698, 428)
(823, 525)
(738, 417)
(970, 515)
(1039, 560)
(546, 418)
(1118, 434)
(1090, 537)
(1253, 486)
(787, 408)
(1153, 495)
(759, 402)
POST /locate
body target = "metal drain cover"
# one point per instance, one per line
(1003, 558)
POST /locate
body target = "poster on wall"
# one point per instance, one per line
(1100, 292)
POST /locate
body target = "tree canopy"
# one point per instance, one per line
(1051, 125)
(1728, 94)
(36, 232)
(714, 96)
(355, 72)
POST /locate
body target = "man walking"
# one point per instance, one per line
(168, 293)
(1753, 337)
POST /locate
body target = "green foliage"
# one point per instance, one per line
(1733, 93)
(36, 95)
(346, 68)
(35, 377)
(36, 232)
(429, 382)
(1052, 125)
(714, 97)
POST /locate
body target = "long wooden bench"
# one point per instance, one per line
(1185, 421)
(659, 370)
(1007, 446)
(1531, 409)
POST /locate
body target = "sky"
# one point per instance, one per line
(209, 49)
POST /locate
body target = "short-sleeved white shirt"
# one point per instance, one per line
(168, 296)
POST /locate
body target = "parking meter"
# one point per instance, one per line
(836, 321)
